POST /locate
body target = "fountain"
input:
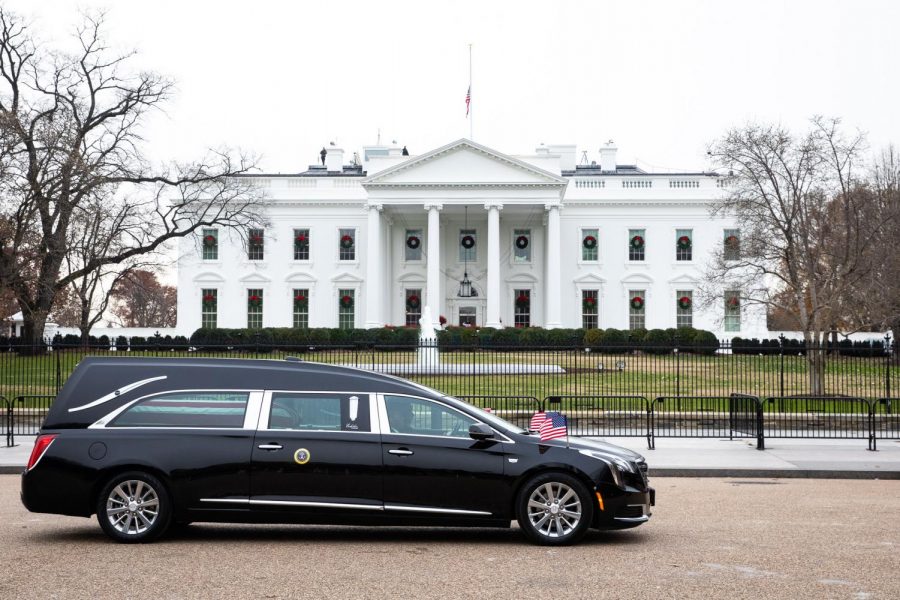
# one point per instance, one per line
(427, 352)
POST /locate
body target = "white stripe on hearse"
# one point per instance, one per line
(117, 393)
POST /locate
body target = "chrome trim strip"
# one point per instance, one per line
(315, 504)
(424, 509)
(643, 519)
(115, 394)
(227, 500)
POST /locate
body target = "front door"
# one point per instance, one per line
(432, 466)
(316, 452)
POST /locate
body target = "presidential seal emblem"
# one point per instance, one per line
(301, 456)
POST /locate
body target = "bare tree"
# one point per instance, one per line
(802, 237)
(144, 301)
(69, 134)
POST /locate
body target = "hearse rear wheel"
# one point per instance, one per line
(554, 509)
(134, 507)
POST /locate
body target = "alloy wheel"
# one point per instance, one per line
(132, 507)
(554, 509)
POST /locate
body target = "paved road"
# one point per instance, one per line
(709, 538)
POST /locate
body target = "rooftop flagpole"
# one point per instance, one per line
(469, 107)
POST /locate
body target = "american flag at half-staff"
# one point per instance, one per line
(553, 427)
(468, 99)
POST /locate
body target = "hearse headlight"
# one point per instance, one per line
(617, 465)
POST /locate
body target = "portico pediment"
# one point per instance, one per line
(464, 164)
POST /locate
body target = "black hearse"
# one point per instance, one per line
(145, 443)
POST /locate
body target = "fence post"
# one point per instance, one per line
(58, 370)
(888, 351)
(872, 438)
(760, 425)
(781, 353)
(10, 436)
(677, 372)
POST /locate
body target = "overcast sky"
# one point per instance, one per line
(661, 78)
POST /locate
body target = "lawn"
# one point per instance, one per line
(625, 374)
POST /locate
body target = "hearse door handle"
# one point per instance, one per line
(270, 446)
(400, 452)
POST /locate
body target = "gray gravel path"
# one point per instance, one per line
(709, 538)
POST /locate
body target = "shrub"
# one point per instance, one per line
(658, 341)
(592, 339)
(636, 336)
(533, 337)
(614, 341)
(705, 342)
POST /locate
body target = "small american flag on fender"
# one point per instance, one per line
(553, 427)
(537, 419)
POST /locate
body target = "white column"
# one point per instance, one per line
(492, 318)
(552, 289)
(374, 258)
(433, 272)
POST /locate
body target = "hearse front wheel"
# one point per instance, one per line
(134, 507)
(554, 509)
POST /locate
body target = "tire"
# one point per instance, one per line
(554, 509)
(134, 508)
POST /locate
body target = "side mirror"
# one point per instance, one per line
(481, 432)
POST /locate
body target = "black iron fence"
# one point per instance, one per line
(622, 390)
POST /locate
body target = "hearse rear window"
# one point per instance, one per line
(187, 409)
(328, 412)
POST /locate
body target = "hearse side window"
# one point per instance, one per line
(422, 417)
(187, 409)
(322, 412)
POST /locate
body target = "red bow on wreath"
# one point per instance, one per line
(300, 299)
(522, 300)
(209, 240)
(300, 240)
(209, 299)
(347, 301)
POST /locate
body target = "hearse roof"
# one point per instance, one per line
(102, 384)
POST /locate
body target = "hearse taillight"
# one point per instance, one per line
(40, 447)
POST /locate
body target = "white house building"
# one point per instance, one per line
(481, 237)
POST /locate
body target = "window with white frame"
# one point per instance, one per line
(210, 244)
(468, 316)
(209, 308)
(413, 306)
(301, 244)
(732, 244)
(301, 308)
(684, 244)
(347, 244)
(468, 245)
(637, 242)
(522, 308)
(732, 310)
(684, 308)
(637, 305)
(255, 244)
(254, 308)
(346, 309)
(590, 244)
(413, 245)
(590, 309)
(521, 245)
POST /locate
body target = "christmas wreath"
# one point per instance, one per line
(346, 242)
(347, 301)
(589, 304)
(301, 241)
(467, 242)
(734, 302)
(684, 302)
(254, 301)
(732, 240)
(637, 303)
(413, 242)
(413, 302)
(209, 300)
(684, 243)
(522, 242)
(589, 242)
(522, 300)
(256, 240)
(300, 301)
(209, 241)
(637, 242)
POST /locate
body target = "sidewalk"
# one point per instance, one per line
(686, 457)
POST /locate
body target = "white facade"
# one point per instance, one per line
(499, 198)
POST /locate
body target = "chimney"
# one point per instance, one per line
(608, 156)
(334, 160)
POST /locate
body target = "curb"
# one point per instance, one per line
(774, 473)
